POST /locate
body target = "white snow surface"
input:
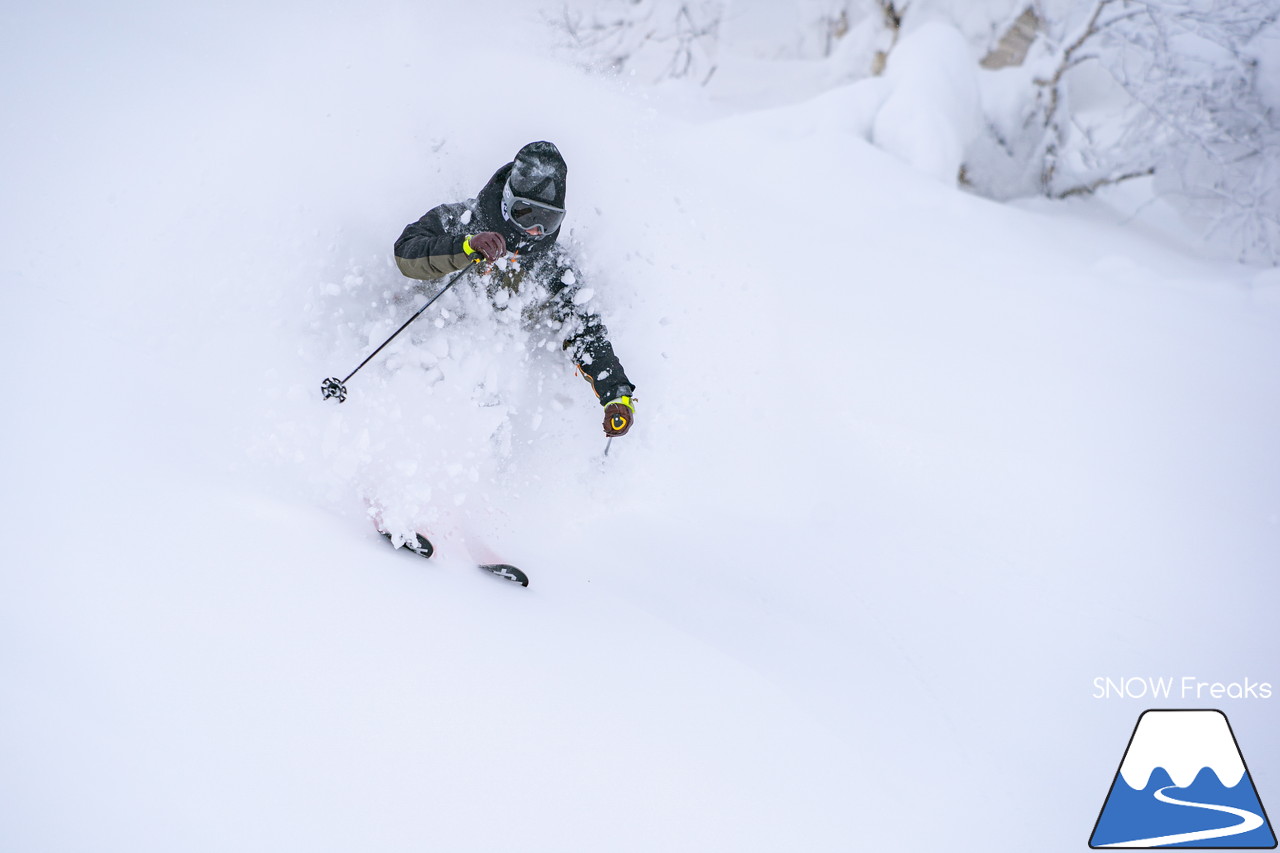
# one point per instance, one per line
(910, 468)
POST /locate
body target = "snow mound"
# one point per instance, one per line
(933, 111)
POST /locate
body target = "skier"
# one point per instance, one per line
(517, 216)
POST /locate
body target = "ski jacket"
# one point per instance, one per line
(432, 247)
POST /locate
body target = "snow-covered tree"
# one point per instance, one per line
(1203, 123)
(681, 39)
(1184, 102)
(655, 39)
(1075, 95)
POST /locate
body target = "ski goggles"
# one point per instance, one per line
(535, 217)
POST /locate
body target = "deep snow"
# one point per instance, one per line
(910, 467)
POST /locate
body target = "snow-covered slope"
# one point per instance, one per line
(910, 467)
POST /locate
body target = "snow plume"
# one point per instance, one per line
(465, 411)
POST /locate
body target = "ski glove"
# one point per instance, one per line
(488, 243)
(618, 415)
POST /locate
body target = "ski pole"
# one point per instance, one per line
(334, 387)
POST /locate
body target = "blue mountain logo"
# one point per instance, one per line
(1183, 783)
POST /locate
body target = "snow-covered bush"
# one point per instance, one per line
(680, 39)
(1074, 96)
(1186, 97)
(1204, 123)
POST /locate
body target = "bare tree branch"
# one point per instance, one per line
(1095, 185)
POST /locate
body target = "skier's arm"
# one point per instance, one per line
(587, 340)
(435, 245)
(595, 359)
(597, 362)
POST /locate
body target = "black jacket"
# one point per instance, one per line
(432, 247)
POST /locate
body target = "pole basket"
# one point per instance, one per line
(333, 387)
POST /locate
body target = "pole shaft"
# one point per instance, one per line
(451, 283)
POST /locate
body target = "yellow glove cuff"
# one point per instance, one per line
(466, 247)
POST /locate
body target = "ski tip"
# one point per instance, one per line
(509, 572)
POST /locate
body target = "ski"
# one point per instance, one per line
(504, 570)
(424, 548)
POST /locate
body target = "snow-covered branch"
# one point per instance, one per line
(659, 39)
(1185, 104)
